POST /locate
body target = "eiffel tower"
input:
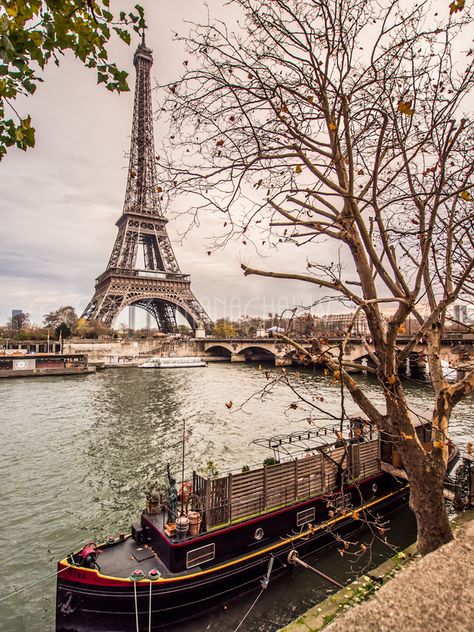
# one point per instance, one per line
(142, 268)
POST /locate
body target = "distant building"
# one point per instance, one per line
(131, 317)
(18, 318)
(410, 326)
(340, 323)
(460, 313)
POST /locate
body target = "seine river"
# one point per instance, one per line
(76, 452)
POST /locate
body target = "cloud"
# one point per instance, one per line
(59, 202)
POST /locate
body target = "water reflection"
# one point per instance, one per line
(75, 454)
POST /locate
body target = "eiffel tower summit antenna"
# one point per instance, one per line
(142, 268)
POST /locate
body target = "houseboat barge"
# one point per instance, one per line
(42, 364)
(222, 536)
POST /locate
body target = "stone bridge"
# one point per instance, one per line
(455, 348)
(248, 349)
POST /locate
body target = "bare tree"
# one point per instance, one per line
(62, 320)
(342, 121)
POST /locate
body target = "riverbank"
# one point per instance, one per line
(406, 592)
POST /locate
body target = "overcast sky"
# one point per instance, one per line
(59, 201)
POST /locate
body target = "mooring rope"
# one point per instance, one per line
(136, 604)
(249, 610)
(20, 590)
(149, 610)
(264, 582)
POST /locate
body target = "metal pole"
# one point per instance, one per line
(294, 559)
(182, 469)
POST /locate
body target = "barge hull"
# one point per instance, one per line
(83, 607)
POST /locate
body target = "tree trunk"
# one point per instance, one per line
(427, 501)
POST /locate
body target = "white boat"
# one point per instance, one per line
(172, 363)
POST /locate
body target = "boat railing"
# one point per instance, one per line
(320, 436)
(242, 495)
(461, 481)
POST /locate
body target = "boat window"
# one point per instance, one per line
(305, 516)
(200, 555)
(258, 535)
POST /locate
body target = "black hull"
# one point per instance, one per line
(84, 607)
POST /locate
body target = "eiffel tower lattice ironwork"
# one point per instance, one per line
(156, 284)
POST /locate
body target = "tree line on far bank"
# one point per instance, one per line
(65, 323)
(60, 323)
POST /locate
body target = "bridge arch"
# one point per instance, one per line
(219, 350)
(254, 351)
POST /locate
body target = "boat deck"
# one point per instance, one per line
(121, 559)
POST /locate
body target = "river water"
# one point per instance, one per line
(75, 453)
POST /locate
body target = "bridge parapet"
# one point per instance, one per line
(453, 348)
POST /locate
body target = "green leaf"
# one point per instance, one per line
(124, 35)
(35, 32)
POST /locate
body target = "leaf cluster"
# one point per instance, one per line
(34, 32)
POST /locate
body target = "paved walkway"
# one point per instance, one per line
(435, 594)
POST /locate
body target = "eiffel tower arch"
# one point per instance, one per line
(142, 269)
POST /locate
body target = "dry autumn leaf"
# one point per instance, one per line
(456, 5)
(465, 195)
(229, 404)
(404, 107)
(332, 126)
(298, 169)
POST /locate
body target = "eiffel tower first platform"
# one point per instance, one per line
(142, 268)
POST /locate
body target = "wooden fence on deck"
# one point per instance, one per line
(248, 493)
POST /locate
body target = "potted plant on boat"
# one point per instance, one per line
(153, 493)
